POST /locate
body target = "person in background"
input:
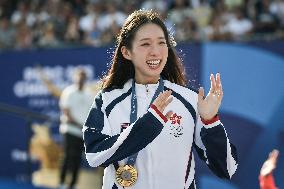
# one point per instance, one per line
(145, 122)
(266, 179)
(75, 102)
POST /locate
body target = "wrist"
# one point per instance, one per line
(210, 121)
(159, 113)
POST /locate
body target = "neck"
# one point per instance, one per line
(147, 81)
(80, 87)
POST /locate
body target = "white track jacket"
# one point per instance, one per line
(165, 159)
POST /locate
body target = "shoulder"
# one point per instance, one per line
(67, 91)
(110, 94)
(184, 94)
(182, 90)
(117, 90)
(67, 96)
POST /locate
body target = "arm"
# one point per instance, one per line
(213, 146)
(266, 179)
(102, 147)
(68, 118)
(211, 140)
(51, 87)
(270, 164)
(64, 102)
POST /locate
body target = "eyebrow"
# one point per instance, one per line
(145, 39)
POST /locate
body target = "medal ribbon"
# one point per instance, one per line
(133, 113)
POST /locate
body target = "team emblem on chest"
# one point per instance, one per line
(175, 125)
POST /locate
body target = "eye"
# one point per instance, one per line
(145, 44)
(162, 42)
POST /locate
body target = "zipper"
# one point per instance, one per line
(147, 89)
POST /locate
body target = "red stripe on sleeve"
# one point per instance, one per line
(159, 113)
(210, 121)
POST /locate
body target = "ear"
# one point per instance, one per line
(126, 53)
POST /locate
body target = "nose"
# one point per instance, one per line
(154, 50)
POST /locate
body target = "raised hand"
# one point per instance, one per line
(162, 101)
(208, 106)
(270, 164)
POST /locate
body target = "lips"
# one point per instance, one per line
(153, 64)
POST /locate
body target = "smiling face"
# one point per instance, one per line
(148, 53)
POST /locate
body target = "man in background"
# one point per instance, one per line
(75, 102)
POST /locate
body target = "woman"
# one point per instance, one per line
(144, 122)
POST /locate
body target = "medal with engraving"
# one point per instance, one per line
(126, 175)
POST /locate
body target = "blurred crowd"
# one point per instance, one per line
(26, 24)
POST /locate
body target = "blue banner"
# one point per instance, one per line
(252, 107)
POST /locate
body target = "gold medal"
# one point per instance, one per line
(126, 175)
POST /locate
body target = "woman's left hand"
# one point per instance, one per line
(208, 106)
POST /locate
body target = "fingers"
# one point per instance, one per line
(274, 154)
(166, 98)
(216, 85)
(163, 100)
(218, 82)
(218, 79)
(200, 94)
(213, 83)
(169, 114)
(219, 89)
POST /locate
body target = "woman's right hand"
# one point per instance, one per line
(162, 101)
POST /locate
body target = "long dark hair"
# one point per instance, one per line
(122, 69)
